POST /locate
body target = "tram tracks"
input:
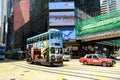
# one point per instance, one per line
(71, 71)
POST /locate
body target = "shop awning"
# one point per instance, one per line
(99, 37)
(107, 43)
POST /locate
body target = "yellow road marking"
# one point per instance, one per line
(62, 74)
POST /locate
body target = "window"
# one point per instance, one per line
(55, 35)
(60, 50)
(89, 56)
(38, 39)
(57, 44)
(94, 56)
(28, 42)
(66, 53)
(51, 36)
(52, 50)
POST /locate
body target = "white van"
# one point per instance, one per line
(66, 56)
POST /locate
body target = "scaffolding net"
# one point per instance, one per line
(100, 23)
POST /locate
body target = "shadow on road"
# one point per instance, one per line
(10, 60)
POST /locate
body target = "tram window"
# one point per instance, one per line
(60, 50)
(28, 42)
(40, 38)
(57, 35)
(44, 38)
(57, 50)
(47, 36)
(37, 38)
(57, 44)
(52, 36)
(34, 40)
(52, 50)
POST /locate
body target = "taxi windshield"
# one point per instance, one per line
(101, 56)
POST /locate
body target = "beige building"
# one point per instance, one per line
(109, 5)
(0, 35)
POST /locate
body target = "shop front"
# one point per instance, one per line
(74, 49)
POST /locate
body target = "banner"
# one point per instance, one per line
(61, 5)
(61, 18)
(68, 33)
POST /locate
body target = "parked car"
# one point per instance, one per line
(14, 54)
(66, 56)
(113, 56)
(97, 59)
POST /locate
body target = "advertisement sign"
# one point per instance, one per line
(61, 5)
(68, 33)
(61, 18)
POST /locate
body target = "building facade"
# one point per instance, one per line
(9, 23)
(39, 21)
(3, 21)
(109, 5)
(40, 17)
(21, 13)
(21, 17)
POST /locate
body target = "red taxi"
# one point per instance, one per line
(97, 59)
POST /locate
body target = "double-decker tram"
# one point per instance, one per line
(46, 48)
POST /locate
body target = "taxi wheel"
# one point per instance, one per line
(85, 62)
(104, 64)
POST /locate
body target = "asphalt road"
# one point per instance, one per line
(71, 70)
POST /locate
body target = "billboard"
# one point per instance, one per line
(68, 33)
(61, 18)
(61, 5)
